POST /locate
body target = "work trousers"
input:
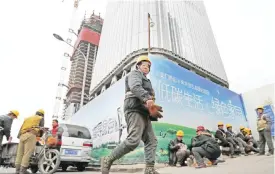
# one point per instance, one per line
(199, 153)
(255, 143)
(237, 142)
(25, 149)
(265, 137)
(182, 155)
(139, 128)
(1, 139)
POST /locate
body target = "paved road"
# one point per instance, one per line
(241, 165)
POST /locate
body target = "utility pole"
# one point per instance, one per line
(149, 33)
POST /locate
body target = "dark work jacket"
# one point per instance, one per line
(138, 89)
(208, 143)
(220, 134)
(6, 123)
(230, 134)
(172, 149)
(243, 136)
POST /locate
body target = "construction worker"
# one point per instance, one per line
(204, 145)
(249, 137)
(139, 110)
(222, 140)
(178, 151)
(231, 136)
(27, 136)
(5, 126)
(264, 129)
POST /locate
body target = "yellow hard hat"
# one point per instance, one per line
(220, 123)
(260, 107)
(180, 133)
(242, 127)
(247, 130)
(143, 58)
(15, 112)
(41, 111)
(228, 125)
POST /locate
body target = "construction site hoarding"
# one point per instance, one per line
(188, 101)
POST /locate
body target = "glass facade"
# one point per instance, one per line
(180, 26)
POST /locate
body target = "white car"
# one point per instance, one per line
(76, 146)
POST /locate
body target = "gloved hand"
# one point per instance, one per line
(155, 111)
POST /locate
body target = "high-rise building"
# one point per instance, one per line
(179, 28)
(87, 43)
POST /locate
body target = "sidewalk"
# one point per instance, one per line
(252, 164)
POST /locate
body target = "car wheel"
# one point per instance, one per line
(64, 168)
(50, 162)
(80, 168)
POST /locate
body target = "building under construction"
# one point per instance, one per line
(87, 44)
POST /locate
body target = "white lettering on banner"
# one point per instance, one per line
(169, 93)
(182, 82)
(197, 99)
(226, 110)
(173, 94)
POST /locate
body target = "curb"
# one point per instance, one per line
(122, 169)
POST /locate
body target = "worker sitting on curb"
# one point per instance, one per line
(230, 135)
(250, 138)
(246, 139)
(203, 145)
(221, 136)
(178, 151)
(27, 136)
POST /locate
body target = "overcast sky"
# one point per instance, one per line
(31, 58)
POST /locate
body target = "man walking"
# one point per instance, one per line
(264, 129)
(139, 100)
(27, 136)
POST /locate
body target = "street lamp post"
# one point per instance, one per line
(85, 69)
(149, 34)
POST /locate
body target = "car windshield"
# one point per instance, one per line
(77, 132)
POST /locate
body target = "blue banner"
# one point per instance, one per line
(188, 101)
(191, 100)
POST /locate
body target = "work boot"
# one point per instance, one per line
(106, 163)
(214, 162)
(150, 169)
(17, 168)
(232, 156)
(189, 162)
(200, 166)
(23, 170)
(268, 154)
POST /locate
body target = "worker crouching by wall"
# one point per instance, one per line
(178, 151)
(204, 145)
